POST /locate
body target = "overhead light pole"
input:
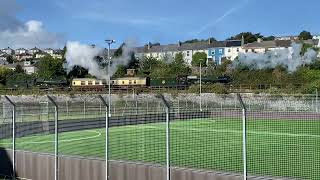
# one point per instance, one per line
(200, 85)
(109, 42)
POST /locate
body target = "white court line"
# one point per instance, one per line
(238, 132)
(66, 140)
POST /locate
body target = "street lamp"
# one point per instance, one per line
(109, 42)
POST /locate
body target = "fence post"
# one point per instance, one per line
(13, 136)
(84, 109)
(317, 100)
(67, 108)
(107, 135)
(244, 136)
(165, 102)
(56, 150)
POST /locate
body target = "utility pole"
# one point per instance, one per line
(109, 42)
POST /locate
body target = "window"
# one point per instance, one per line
(74, 82)
(130, 82)
(238, 50)
(212, 52)
(112, 82)
(229, 50)
(122, 82)
(220, 51)
(89, 82)
(83, 83)
(97, 83)
(246, 50)
(188, 53)
(252, 50)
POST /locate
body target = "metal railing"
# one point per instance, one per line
(247, 135)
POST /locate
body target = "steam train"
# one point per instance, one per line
(180, 82)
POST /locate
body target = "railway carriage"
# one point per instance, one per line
(88, 84)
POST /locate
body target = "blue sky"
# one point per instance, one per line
(168, 21)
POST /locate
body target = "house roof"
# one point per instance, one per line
(233, 43)
(23, 54)
(183, 46)
(8, 48)
(21, 49)
(4, 55)
(268, 44)
(35, 49)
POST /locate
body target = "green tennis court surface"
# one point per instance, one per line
(285, 148)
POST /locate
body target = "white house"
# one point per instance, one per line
(22, 57)
(34, 50)
(292, 38)
(26, 66)
(232, 49)
(20, 51)
(264, 46)
(56, 56)
(40, 55)
(187, 49)
(3, 57)
(8, 50)
(49, 51)
(30, 69)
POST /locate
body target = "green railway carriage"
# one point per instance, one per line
(160, 82)
(180, 81)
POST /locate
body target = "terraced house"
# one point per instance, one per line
(215, 50)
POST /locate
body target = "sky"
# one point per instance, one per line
(52, 23)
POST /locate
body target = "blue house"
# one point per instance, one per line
(216, 54)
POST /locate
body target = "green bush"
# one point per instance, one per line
(209, 88)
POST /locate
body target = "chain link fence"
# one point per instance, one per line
(265, 137)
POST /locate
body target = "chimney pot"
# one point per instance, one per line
(259, 40)
(149, 45)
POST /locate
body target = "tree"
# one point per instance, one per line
(200, 40)
(192, 41)
(178, 67)
(121, 71)
(133, 62)
(305, 47)
(305, 35)
(148, 64)
(10, 59)
(19, 69)
(64, 51)
(248, 37)
(77, 72)
(199, 58)
(4, 73)
(50, 68)
(269, 38)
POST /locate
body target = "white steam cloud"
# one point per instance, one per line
(15, 34)
(84, 55)
(290, 57)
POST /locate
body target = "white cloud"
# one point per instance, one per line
(16, 34)
(30, 34)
